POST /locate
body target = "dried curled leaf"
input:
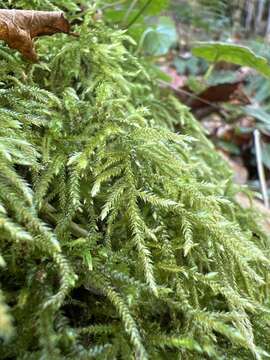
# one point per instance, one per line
(18, 28)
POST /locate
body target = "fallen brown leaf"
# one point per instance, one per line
(18, 28)
(215, 93)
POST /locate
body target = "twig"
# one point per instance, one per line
(74, 34)
(48, 210)
(139, 13)
(128, 12)
(191, 95)
(113, 4)
(258, 150)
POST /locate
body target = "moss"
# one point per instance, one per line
(121, 238)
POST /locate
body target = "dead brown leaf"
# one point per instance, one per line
(215, 94)
(18, 28)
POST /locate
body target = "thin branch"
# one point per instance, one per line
(139, 13)
(129, 10)
(191, 95)
(76, 230)
(113, 4)
(258, 149)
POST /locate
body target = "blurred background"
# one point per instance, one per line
(230, 101)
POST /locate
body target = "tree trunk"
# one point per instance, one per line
(250, 14)
(260, 10)
(267, 34)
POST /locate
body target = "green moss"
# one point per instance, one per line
(121, 239)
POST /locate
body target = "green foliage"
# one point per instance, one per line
(139, 17)
(236, 54)
(126, 11)
(120, 239)
(259, 114)
(211, 16)
(158, 40)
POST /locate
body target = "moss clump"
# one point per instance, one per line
(120, 239)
